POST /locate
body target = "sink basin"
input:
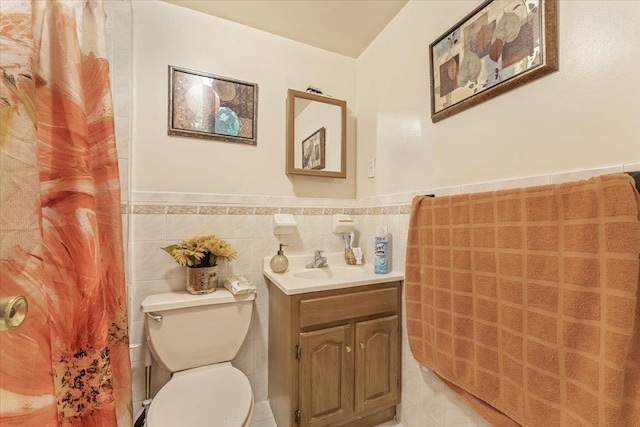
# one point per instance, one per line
(298, 279)
(335, 273)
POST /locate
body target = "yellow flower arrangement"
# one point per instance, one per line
(201, 251)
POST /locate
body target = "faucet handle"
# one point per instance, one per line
(319, 253)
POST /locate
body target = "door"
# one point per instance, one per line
(376, 364)
(326, 376)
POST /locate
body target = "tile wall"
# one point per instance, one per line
(246, 222)
(119, 55)
(159, 219)
(118, 34)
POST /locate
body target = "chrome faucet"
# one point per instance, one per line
(319, 261)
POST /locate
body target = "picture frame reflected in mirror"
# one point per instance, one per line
(313, 150)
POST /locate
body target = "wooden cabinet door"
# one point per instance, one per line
(326, 376)
(376, 369)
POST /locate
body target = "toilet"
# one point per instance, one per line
(195, 337)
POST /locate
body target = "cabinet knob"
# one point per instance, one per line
(347, 348)
(361, 344)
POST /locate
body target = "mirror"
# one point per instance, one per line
(316, 135)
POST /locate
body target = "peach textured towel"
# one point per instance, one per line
(524, 301)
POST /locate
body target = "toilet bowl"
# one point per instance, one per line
(217, 395)
(195, 337)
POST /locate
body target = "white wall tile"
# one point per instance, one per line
(261, 411)
(266, 247)
(333, 243)
(245, 261)
(148, 227)
(261, 386)
(140, 291)
(137, 352)
(242, 226)
(269, 422)
(444, 191)
(327, 227)
(214, 224)
(122, 136)
(262, 292)
(137, 378)
(123, 169)
(427, 421)
(121, 53)
(137, 408)
(457, 413)
(182, 227)
(410, 415)
(311, 243)
(432, 396)
(245, 360)
(410, 380)
(632, 167)
(159, 377)
(109, 41)
(137, 334)
(295, 245)
(261, 349)
(481, 187)
(261, 321)
(120, 20)
(149, 260)
(178, 284)
(578, 175)
(313, 225)
(264, 226)
(530, 181)
(121, 95)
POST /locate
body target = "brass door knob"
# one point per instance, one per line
(361, 344)
(347, 348)
(13, 311)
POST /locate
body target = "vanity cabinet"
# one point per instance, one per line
(334, 356)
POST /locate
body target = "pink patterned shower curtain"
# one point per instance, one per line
(60, 220)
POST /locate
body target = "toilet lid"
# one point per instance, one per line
(216, 395)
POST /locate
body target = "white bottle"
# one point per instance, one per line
(381, 251)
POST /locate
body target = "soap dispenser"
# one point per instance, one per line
(279, 262)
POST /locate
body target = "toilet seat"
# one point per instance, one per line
(210, 396)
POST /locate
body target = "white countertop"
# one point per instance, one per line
(298, 279)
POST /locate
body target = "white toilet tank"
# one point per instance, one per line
(196, 330)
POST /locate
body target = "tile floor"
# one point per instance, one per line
(262, 417)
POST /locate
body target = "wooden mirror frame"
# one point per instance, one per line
(291, 169)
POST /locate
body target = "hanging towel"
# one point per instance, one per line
(524, 301)
(238, 285)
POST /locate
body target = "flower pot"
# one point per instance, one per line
(202, 280)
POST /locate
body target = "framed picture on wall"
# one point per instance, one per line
(313, 150)
(203, 105)
(500, 45)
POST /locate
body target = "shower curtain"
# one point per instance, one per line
(60, 220)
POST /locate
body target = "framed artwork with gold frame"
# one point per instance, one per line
(500, 45)
(203, 105)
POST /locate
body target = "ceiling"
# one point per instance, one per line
(346, 27)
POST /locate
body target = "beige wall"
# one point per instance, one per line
(163, 35)
(583, 116)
